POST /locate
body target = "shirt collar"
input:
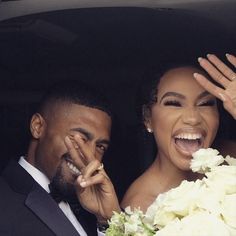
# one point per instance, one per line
(37, 175)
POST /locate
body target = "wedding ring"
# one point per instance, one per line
(100, 167)
(233, 78)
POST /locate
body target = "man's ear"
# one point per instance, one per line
(37, 125)
(147, 118)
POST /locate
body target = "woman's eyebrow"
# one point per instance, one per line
(172, 94)
(181, 96)
(203, 94)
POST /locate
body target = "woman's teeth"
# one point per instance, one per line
(73, 168)
(188, 136)
(189, 143)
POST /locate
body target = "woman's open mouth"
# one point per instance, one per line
(188, 143)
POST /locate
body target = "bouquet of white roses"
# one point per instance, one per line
(205, 207)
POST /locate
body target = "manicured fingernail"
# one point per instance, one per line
(195, 75)
(222, 97)
(200, 59)
(208, 55)
(83, 184)
(227, 55)
(80, 178)
(67, 139)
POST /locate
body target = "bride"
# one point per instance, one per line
(182, 114)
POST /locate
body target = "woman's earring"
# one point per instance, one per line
(149, 130)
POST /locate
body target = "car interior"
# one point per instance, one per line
(110, 45)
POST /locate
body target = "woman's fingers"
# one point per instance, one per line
(224, 76)
(232, 59)
(213, 72)
(209, 86)
(225, 70)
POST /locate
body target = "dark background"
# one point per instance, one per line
(110, 48)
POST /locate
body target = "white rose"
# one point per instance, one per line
(154, 208)
(210, 201)
(203, 224)
(204, 159)
(232, 231)
(230, 160)
(163, 218)
(173, 229)
(222, 179)
(198, 224)
(177, 202)
(229, 210)
(181, 200)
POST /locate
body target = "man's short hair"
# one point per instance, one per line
(75, 92)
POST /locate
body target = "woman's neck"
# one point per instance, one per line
(168, 175)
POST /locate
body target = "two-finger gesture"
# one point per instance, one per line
(94, 189)
(224, 76)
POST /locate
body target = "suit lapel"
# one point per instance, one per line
(49, 212)
(38, 200)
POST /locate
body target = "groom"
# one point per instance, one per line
(70, 134)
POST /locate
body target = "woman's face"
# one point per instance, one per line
(184, 118)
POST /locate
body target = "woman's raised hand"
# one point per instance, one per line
(224, 76)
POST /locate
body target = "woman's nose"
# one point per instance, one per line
(191, 116)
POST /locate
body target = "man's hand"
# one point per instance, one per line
(94, 189)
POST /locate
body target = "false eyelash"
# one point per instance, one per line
(172, 103)
(208, 103)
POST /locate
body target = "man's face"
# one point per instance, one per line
(51, 155)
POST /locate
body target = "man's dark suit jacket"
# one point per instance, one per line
(26, 209)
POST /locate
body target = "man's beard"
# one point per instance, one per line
(62, 187)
